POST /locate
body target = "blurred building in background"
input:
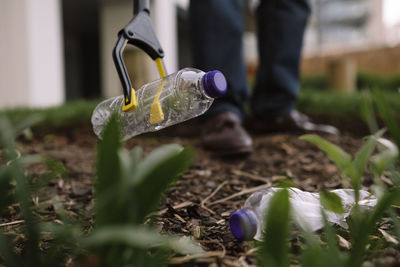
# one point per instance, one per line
(366, 33)
(57, 50)
(31, 53)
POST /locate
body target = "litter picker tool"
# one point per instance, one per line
(138, 32)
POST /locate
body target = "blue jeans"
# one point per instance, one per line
(216, 34)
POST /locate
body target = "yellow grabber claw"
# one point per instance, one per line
(133, 104)
(156, 112)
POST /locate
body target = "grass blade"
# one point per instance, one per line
(366, 224)
(138, 237)
(108, 172)
(155, 174)
(387, 115)
(331, 202)
(274, 249)
(341, 158)
(387, 156)
(361, 159)
(368, 113)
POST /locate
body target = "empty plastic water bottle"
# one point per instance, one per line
(175, 98)
(248, 223)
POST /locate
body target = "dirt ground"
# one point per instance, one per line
(200, 203)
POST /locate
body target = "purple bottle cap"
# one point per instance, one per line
(243, 224)
(214, 83)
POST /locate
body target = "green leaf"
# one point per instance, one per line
(367, 111)
(6, 251)
(129, 163)
(26, 123)
(367, 223)
(57, 167)
(108, 173)
(156, 158)
(6, 188)
(315, 254)
(363, 154)
(155, 174)
(387, 156)
(387, 115)
(341, 158)
(331, 202)
(138, 237)
(274, 249)
(7, 137)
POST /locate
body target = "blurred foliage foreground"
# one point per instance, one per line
(128, 188)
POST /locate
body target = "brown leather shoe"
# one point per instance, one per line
(294, 122)
(223, 134)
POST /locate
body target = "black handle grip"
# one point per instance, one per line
(121, 68)
(141, 5)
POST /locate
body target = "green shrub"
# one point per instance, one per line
(127, 189)
(336, 104)
(274, 250)
(368, 80)
(314, 82)
(17, 189)
(364, 80)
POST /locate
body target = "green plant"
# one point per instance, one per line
(324, 250)
(16, 188)
(127, 189)
(362, 223)
(274, 250)
(69, 113)
(388, 115)
(364, 80)
(353, 169)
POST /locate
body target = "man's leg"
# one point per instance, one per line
(216, 33)
(280, 29)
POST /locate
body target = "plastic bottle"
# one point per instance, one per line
(175, 98)
(247, 223)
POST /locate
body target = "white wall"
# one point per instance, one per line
(114, 16)
(164, 19)
(31, 53)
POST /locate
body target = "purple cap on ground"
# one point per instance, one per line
(214, 83)
(243, 224)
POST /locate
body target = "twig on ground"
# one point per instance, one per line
(242, 261)
(343, 242)
(179, 218)
(12, 223)
(251, 252)
(231, 263)
(202, 256)
(176, 207)
(251, 176)
(243, 192)
(207, 209)
(202, 204)
(388, 237)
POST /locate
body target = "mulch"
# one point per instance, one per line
(198, 204)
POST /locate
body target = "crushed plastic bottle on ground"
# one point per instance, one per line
(247, 223)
